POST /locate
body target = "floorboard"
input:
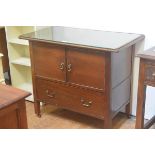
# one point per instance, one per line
(54, 118)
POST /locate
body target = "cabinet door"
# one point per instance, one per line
(85, 68)
(49, 61)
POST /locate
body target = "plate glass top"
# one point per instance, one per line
(84, 37)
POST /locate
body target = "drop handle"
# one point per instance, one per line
(86, 103)
(61, 67)
(51, 95)
(153, 74)
(69, 67)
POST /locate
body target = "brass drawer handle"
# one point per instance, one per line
(153, 74)
(69, 67)
(51, 95)
(61, 67)
(86, 103)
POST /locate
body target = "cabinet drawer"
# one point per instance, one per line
(150, 73)
(47, 92)
(76, 99)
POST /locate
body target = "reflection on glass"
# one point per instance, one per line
(86, 37)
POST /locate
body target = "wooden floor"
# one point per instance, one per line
(53, 118)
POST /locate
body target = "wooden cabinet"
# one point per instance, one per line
(71, 78)
(92, 78)
(146, 78)
(12, 108)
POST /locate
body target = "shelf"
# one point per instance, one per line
(27, 87)
(24, 61)
(30, 98)
(1, 55)
(2, 80)
(18, 41)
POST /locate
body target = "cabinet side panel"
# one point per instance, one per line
(120, 66)
(120, 95)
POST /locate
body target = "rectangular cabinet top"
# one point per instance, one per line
(86, 38)
(148, 54)
(9, 95)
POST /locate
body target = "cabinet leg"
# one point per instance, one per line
(22, 117)
(107, 123)
(140, 109)
(37, 108)
(128, 110)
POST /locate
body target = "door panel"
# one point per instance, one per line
(85, 68)
(49, 61)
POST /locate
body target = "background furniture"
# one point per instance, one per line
(12, 108)
(1, 69)
(82, 70)
(146, 77)
(5, 59)
(18, 51)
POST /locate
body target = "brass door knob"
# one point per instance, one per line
(61, 67)
(153, 74)
(69, 67)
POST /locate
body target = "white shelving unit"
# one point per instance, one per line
(24, 61)
(18, 51)
(18, 41)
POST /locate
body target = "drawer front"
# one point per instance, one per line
(46, 92)
(49, 61)
(150, 73)
(75, 99)
(85, 68)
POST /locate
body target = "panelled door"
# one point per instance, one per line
(49, 61)
(85, 68)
